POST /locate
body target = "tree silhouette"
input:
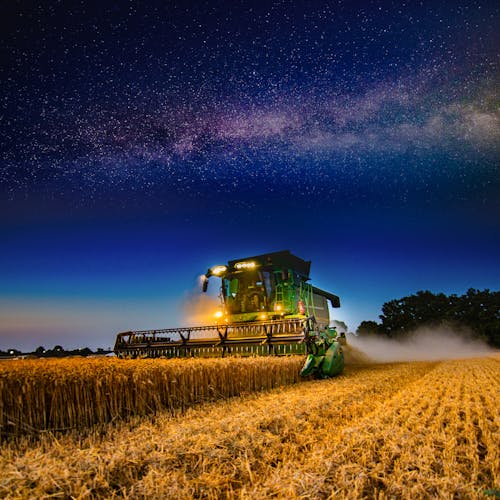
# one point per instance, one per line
(479, 311)
(368, 328)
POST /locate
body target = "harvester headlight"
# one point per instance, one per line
(218, 270)
(245, 265)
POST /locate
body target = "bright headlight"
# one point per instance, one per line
(245, 265)
(218, 270)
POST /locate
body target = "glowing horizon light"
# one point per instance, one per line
(219, 314)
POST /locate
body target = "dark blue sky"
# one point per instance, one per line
(143, 143)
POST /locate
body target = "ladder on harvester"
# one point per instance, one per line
(306, 295)
(279, 295)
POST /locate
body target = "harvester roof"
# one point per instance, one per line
(283, 259)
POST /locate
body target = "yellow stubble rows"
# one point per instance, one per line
(407, 430)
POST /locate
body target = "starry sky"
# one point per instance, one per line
(142, 142)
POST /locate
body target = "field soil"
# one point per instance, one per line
(399, 430)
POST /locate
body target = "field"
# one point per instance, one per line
(399, 430)
(42, 395)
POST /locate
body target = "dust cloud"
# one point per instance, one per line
(199, 309)
(425, 344)
(355, 356)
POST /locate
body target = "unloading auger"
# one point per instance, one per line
(267, 308)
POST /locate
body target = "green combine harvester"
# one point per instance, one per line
(267, 308)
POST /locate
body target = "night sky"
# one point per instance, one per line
(142, 142)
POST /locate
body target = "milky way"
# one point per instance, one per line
(178, 99)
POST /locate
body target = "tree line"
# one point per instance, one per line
(477, 311)
(56, 352)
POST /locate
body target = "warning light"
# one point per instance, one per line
(245, 265)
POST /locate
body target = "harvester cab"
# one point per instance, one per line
(267, 307)
(272, 286)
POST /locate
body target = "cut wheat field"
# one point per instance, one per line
(400, 430)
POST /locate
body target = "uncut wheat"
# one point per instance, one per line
(62, 394)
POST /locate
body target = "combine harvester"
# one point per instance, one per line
(267, 308)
